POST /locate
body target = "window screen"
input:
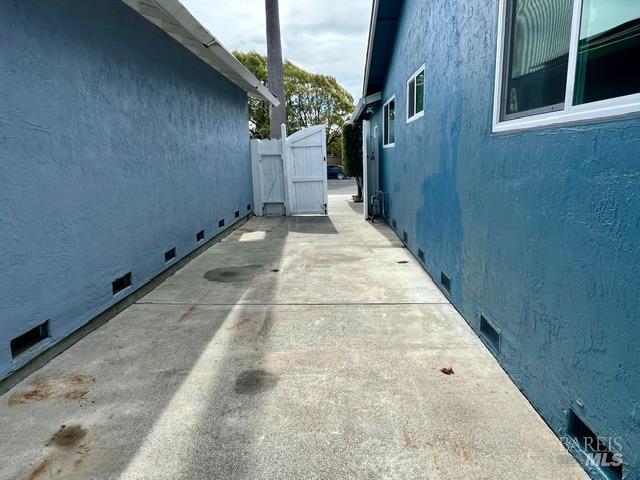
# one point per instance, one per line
(538, 40)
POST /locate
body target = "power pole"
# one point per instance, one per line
(275, 67)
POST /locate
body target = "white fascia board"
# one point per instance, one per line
(364, 103)
(372, 34)
(173, 17)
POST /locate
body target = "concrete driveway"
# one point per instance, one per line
(342, 187)
(306, 348)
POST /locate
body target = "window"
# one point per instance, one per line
(389, 122)
(608, 63)
(415, 95)
(566, 61)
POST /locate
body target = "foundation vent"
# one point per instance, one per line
(237, 214)
(445, 281)
(200, 236)
(598, 450)
(221, 223)
(490, 333)
(122, 283)
(29, 339)
(248, 207)
(169, 255)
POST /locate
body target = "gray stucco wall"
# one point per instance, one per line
(116, 144)
(538, 230)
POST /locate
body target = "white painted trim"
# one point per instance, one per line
(418, 115)
(589, 112)
(362, 104)
(384, 131)
(573, 53)
(372, 33)
(497, 87)
(178, 22)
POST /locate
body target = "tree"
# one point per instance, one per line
(312, 99)
(352, 153)
(278, 115)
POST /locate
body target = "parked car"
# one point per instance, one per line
(335, 171)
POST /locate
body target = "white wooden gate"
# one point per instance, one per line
(370, 165)
(366, 131)
(306, 169)
(290, 175)
(269, 180)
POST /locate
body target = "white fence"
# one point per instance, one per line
(290, 174)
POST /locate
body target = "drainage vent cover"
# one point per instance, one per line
(490, 333)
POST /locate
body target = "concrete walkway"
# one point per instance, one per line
(295, 348)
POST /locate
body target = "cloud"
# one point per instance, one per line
(320, 36)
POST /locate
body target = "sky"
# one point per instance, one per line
(320, 36)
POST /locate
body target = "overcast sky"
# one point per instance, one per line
(321, 36)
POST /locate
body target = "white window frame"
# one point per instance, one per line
(384, 130)
(419, 115)
(588, 112)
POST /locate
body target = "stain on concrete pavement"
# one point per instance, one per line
(69, 387)
(68, 436)
(39, 470)
(187, 313)
(252, 382)
(233, 274)
(242, 322)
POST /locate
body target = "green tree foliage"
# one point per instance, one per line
(352, 153)
(312, 99)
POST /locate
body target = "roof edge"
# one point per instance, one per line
(363, 103)
(176, 20)
(372, 32)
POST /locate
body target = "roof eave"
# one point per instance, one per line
(363, 103)
(174, 18)
(372, 33)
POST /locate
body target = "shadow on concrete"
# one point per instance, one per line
(312, 225)
(357, 207)
(184, 383)
(228, 383)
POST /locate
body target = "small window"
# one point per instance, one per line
(566, 61)
(415, 95)
(389, 122)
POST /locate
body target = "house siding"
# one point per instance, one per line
(116, 145)
(538, 230)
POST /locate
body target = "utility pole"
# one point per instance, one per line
(278, 114)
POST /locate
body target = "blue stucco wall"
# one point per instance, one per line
(538, 230)
(116, 144)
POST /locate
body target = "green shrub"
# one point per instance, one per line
(352, 150)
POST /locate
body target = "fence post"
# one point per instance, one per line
(256, 174)
(285, 169)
